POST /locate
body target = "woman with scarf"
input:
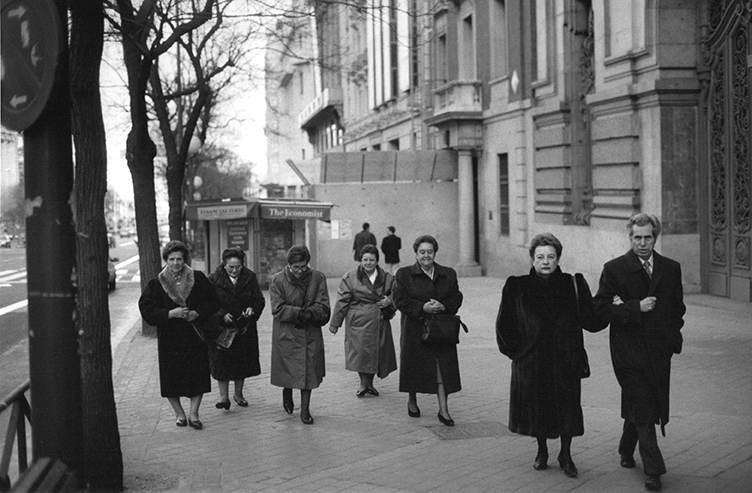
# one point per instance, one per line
(364, 303)
(300, 307)
(177, 302)
(241, 303)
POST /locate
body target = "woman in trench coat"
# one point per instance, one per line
(300, 307)
(421, 289)
(364, 303)
(539, 327)
(241, 302)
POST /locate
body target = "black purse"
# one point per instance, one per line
(584, 361)
(441, 330)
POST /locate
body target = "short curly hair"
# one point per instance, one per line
(176, 246)
(426, 239)
(370, 249)
(545, 239)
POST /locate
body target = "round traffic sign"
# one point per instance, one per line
(30, 48)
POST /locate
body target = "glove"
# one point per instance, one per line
(304, 318)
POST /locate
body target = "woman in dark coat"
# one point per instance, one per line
(364, 303)
(177, 302)
(241, 303)
(539, 328)
(426, 288)
(300, 307)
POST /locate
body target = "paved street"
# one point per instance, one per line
(371, 445)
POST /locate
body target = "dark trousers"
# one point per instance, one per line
(652, 460)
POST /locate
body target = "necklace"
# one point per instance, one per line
(176, 279)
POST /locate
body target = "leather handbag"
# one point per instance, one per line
(584, 361)
(442, 330)
(225, 338)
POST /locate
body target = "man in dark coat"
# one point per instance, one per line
(362, 239)
(391, 245)
(640, 294)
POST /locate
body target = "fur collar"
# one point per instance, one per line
(179, 290)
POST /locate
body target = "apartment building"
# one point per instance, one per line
(489, 121)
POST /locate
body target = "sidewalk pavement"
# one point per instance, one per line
(371, 445)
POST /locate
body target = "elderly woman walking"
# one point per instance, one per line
(364, 303)
(175, 302)
(539, 327)
(241, 302)
(300, 307)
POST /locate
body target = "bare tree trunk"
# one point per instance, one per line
(103, 460)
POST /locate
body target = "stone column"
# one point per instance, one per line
(467, 266)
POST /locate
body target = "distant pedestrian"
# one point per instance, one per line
(362, 239)
(364, 303)
(423, 289)
(175, 302)
(300, 307)
(391, 245)
(241, 302)
(539, 327)
(641, 295)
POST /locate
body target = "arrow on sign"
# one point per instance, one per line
(18, 100)
(17, 12)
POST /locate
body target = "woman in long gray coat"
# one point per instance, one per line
(364, 303)
(300, 307)
(422, 289)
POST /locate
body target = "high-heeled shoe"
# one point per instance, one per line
(567, 464)
(287, 403)
(541, 461)
(223, 405)
(446, 421)
(306, 418)
(240, 401)
(361, 393)
(197, 425)
(413, 414)
(181, 422)
(372, 391)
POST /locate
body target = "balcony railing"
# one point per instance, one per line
(20, 412)
(460, 97)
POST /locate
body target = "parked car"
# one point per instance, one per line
(5, 241)
(111, 272)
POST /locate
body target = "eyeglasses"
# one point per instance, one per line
(299, 268)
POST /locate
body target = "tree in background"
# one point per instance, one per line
(144, 39)
(222, 174)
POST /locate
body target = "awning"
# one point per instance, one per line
(265, 208)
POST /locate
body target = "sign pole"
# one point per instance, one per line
(54, 363)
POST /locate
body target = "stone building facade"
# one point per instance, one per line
(563, 116)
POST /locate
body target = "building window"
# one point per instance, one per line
(499, 46)
(441, 59)
(467, 58)
(504, 194)
(393, 145)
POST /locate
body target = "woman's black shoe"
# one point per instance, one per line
(196, 424)
(568, 466)
(287, 404)
(306, 418)
(541, 461)
(223, 405)
(447, 422)
(361, 393)
(372, 391)
(239, 401)
(415, 414)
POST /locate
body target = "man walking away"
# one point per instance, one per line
(391, 245)
(362, 239)
(640, 294)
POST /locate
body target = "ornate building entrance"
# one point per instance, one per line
(728, 235)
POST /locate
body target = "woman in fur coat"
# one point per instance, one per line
(539, 327)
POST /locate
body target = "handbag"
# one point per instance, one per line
(584, 361)
(442, 330)
(225, 338)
